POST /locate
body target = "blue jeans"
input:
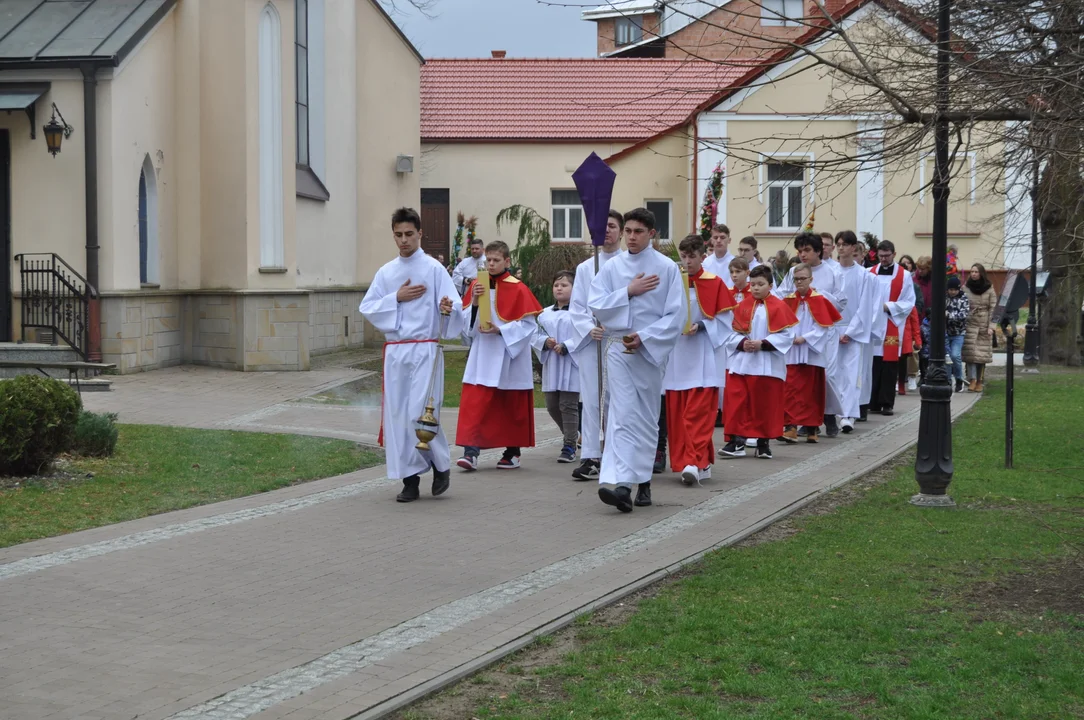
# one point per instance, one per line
(955, 350)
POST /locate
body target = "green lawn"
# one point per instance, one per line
(876, 609)
(157, 469)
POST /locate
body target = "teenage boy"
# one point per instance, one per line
(897, 299)
(853, 361)
(497, 406)
(719, 259)
(828, 281)
(763, 333)
(638, 297)
(739, 278)
(409, 300)
(560, 376)
(747, 251)
(807, 357)
(692, 379)
(587, 337)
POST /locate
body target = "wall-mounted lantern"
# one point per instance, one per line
(404, 164)
(55, 132)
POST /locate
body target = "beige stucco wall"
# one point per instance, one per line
(47, 200)
(388, 124)
(660, 171)
(137, 120)
(484, 178)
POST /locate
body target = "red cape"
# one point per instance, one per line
(515, 300)
(821, 308)
(712, 294)
(780, 317)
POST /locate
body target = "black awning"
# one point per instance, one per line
(23, 97)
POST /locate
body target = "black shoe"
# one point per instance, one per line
(831, 426)
(764, 450)
(888, 412)
(660, 462)
(442, 480)
(620, 497)
(959, 385)
(733, 449)
(643, 495)
(588, 470)
(863, 415)
(410, 491)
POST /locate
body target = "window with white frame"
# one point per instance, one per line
(781, 12)
(567, 216)
(628, 30)
(786, 188)
(661, 210)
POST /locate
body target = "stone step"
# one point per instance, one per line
(98, 384)
(36, 352)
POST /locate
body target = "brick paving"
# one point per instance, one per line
(329, 600)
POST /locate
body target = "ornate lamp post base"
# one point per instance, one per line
(940, 501)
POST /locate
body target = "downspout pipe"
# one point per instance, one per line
(90, 168)
(696, 174)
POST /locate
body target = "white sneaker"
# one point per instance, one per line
(912, 384)
(468, 463)
(690, 474)
(705, 474)
(846, 425)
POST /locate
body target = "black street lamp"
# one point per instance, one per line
(933, 465)
(1031, 329)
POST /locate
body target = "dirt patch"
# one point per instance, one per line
(62, 473)
(520, 673)
(1057, 588)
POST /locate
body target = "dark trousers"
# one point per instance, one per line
(662, 426)
(923, 364)
(902, 370)
(883, 392)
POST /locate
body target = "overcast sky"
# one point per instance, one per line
(472, 28)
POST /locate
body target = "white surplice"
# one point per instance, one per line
(693, 361)
(408, 366)
(634, 380)
(765, 362)
(720, 266)
(854, 359)
(585, 351)
(828, 281)
(559, 372)
(814, 351)
(897, 311)
(466, 271)
(499, 360)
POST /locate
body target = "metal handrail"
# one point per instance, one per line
(56, 297)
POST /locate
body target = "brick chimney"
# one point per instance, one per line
(498, 54)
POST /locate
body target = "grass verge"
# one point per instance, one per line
(861, 606)
(158, 469)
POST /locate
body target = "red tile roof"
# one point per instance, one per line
(564, 99)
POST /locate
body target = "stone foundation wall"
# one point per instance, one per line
(334, 321)
(142, 332)
(232, 331)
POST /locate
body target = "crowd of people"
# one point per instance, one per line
(769, 351)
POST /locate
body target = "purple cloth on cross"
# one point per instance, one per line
(595, 182)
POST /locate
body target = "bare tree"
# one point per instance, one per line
(1017, 97)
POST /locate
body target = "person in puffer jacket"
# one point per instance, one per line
(957, 308)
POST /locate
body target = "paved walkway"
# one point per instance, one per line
(329, 600)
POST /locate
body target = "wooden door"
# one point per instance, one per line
(436, 223)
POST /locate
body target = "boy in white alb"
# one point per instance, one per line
(638, 297)
(560, 375)
(587, 337)
(409, 300)
(497, 405)
(691, 379)
(718, 260)
(763, 333)
(855, 358)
